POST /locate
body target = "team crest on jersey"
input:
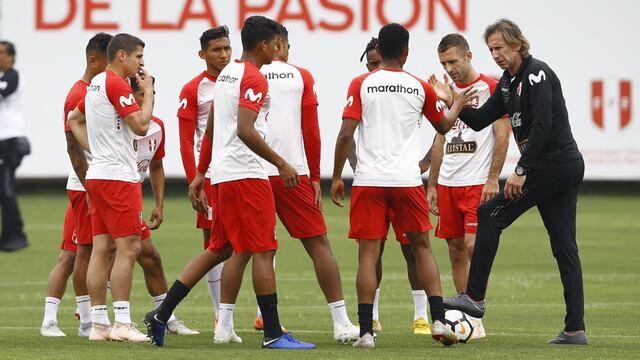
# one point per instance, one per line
(252, 96)
(459, 146)
(153, 143)
(182, 104)
(127, 101)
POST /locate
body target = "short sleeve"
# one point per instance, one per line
(121, 96)
(309, 95)
(160, 151)
(188, 102)
(353, 107)
(433, 108)
(80, 106)
(253, 89)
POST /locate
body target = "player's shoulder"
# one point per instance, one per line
(157, 121)
(192, 85)
(111, 80)
(155, 125)
(362, 77)
(536, 71)
(78, 90)
(492, 82)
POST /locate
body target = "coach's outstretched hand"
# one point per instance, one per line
(337, 189)
(196, 194)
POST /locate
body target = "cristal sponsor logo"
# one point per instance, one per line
(398, 88)
(534, 79)
(93, 88)
(350, 101)
(127, 101)
(276, 76)
(227, 79)
(182, 104)
(515, 120)
(252, 96)
(459, 146)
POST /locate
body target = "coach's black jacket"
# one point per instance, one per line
(537, 113)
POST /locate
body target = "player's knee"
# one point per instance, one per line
(67, 261)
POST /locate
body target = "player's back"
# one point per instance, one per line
(74, 96)
(390, 104)
(111, 141)
(240, 84)
(290, 89)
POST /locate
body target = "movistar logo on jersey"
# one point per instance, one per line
(276, 76)
(350, 101)
(398, 88)
(126, 101)
(251, 96)
(182, 104)
(227, 79)
(534, 79)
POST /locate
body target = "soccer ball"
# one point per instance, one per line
(459, 323)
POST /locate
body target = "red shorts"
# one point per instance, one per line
(458, 206)
(81, 219)
(296, 208)
(116, 207)
(146, 232)
(244, 216)
(68, 231)
(369, 213)
(401, 235)
(203, 221)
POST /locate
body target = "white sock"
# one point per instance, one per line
(122, 311)
(225, 317)
(158, 301)
(99, 315)
(50, 309)
(84, 308)
(339, 314)
(213, 284)
(375, 305)
(419, 304)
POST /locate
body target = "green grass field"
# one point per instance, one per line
(525, 306)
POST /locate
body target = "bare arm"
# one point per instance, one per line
(437, 152)
(353, 159)
(500, 130)
(77, 156)
(425, 163)
(460, 101)
(156, 175)
(344, 144)
(78, 124)
(250, 137)
(138, 121)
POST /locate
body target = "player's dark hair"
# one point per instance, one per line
(134, 83)
(11, 49)
(213, 34)
(511, 33)
(370, 46)
(453, 40)
(284, 33)
(256, 29)
(126, 42)
(393, 40)
(98, 44)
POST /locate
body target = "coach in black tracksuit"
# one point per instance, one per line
(548, 173)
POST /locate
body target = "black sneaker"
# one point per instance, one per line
(13, 244)
(155, 328)
(461, 301)
(564, 339)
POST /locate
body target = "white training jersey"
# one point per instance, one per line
(290, 89)
(240, 84)
(196, 97)
(389, 105)
(150, 147)
(109, 99)
(467, 153)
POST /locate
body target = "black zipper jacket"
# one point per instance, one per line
(537, 113)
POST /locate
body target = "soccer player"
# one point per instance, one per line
(113, 119)
(195, 103)
(548, 174)
(244, 216)
(390, 103)
(421, 324)
(294, 134)
(465, 164)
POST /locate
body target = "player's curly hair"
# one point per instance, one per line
(370, 46)
(213, 34)
(511, 33)
(257, 28)
(98, 43)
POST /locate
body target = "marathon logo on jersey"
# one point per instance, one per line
(278, 76)
(459, 146)
(227, 79)
(398, 88)
(252, 96)
(93, 88)
(515, 120)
